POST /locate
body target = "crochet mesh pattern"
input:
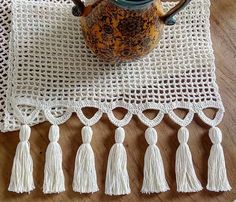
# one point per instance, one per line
(52, 72)
(5, 28)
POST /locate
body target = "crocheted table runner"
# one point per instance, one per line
(51, 74)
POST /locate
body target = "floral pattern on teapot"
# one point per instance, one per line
(117, 34)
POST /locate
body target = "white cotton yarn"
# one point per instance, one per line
(48, 73)
(59, 75)
(21, 180)
(117, 178)
(85, 177)
(154, 173)
(54, 181)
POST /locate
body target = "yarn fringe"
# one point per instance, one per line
(186, 178)
(217, 176)
(85, 177)
(53, 173)
(22, 170)
(117, 179)
(154, 180)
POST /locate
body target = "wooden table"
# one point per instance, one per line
(223, 27)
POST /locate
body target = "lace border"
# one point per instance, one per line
(46, 108)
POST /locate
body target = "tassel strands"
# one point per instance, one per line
(22, 170)
(186, 178)
(53, 173)
(117, 179)
(154, 176)
(85, 177)
(217, 176)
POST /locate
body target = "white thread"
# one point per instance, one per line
(85, 177)
(217, 176)
(22, 169)
(53, 172)
(186, 67)
(168, 75)
(117, 179)
(73, 78)
(154, 175)
(186, 178)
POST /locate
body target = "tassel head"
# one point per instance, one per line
(53, 135)
(119, 135)
(87, 134)
(24, 134)
(151, 136)
(183, 135)
(215, 135)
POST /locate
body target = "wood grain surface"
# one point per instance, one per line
(223, 29)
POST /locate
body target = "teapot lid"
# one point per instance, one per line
(132, 4)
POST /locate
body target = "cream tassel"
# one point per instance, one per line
(53, 173)
(117, 179)
(22, 169)
(186, 178)
(154, 175)
(85, 177)
(217, 176)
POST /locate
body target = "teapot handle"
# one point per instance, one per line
(168, 18)
(81, 10)
(79, 7)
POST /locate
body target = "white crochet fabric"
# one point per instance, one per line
(47, 73)
(52, 74)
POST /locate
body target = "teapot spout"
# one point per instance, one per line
(81, 10)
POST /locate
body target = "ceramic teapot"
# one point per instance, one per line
(124, 30)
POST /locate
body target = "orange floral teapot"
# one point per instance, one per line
(123, 30)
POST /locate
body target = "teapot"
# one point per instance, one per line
(124, 30)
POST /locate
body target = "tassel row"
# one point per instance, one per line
(117, 179)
